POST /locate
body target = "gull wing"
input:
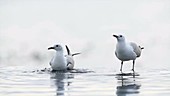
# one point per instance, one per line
(70, 62)
(136, 48)
(69, 52)
(76, 54)
(69, 58)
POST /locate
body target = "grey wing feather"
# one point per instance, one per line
(136, 49)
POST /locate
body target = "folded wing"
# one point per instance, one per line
(137, 49)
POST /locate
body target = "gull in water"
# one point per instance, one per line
(126, 51)
(61, 61)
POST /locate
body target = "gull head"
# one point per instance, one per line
(119, 37)
(56, 47)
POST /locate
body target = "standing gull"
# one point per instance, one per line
(126, 51)
(61, 61)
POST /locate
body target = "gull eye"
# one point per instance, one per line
(120, 35)
(57, 46)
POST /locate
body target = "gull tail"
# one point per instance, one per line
(141, 47)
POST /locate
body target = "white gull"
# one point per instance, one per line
(126, 51)
(61, 61)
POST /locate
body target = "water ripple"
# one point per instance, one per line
(18, 83)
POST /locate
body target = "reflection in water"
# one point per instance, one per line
(61, 82)
(127, 85)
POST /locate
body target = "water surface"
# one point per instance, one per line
(18, 83)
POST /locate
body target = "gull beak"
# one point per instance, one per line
(50, 48)
(115, 36)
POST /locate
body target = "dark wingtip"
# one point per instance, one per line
(68, 50)
(75, 54)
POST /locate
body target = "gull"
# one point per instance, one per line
(61, 61)
(126, 51)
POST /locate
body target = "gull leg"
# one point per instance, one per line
(121, 66)
(133, 66)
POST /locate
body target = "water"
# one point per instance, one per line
(20, 82)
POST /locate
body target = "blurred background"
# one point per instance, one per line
(29, 27)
